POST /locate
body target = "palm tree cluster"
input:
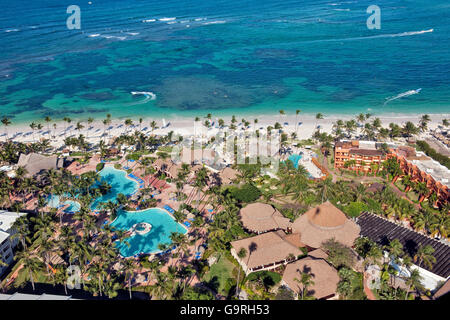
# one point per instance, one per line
(90, 248)
(393, 251)
(375, 130)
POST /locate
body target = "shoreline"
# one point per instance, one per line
(184, 126)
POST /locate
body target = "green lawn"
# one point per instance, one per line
(219, 273)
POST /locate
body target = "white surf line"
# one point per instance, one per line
(402, 95)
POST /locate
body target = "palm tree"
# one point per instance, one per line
(79, 126)
(48, 119)
(89, 121)
(361, 118)
(409, 129)
(241, 254)
(33, 127)
(30, 264)
(281, 113)
(440, 223)
(395, 249)
(414, 281)
(296, 116)
(319, 116)
(153, 125)
(6, 122)
(128, 122)
(350, 127)
(425, 254)
(128, 267)
(305, 281)
(61, 277)
(68, 120)
(423, 123)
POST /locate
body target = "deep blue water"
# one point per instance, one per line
(224, 57)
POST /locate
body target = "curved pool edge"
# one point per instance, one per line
(155, 252)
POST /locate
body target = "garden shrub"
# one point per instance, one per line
(442, 159)
(247, 193)
(100, 166)
(354, 209)
(269, 278)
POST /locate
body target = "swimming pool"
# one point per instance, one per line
(162, 226)
(294, 158)
(119, 184)
(54, 202)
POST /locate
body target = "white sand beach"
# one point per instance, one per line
(185, 126)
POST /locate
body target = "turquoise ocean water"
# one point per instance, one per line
(222, 57)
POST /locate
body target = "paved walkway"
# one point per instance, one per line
(403, 195)
(367, 290)
(438, 146)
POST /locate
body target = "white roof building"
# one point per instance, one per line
(7, 220)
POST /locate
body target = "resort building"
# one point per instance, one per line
(280, 242)
(357, 155)
(421, 168)
(382, 231)
(227, 175)
(7, 244)
(36, 163)
(266, 251)
(325, 222)
(442, 291)
(261, 217)
(26, 296)
(324, 276)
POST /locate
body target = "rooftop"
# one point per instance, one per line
(435, 169)
(365, 148)
(325, 222)
(383, 231)
(268, 248)
(34, 163)
(7, 219)
(324, 276)
(260, 217)
(25, 296)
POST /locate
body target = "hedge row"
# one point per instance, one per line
(445, 161)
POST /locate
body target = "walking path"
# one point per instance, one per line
(403, 195)
(367, 290)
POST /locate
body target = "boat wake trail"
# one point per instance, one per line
(402, 95)
(149, 96)
(388, 35)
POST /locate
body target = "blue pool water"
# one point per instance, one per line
(54, 201)
(294, 158)
(162, 226)
(119, 184)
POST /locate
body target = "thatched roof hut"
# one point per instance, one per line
(264, 251)
(261, 217)
(325, 222)
(324, 276)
